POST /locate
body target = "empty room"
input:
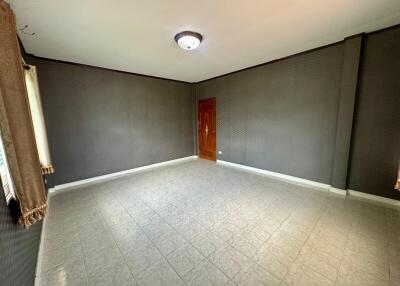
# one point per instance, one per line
(208, 143)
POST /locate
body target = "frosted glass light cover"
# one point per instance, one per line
(188, 42)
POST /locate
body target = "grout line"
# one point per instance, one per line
(189, 242)
(387, 246)
(151, 241)
(83, 254)
(107, 228)
(306, 240)
(84, 262)
(344, 248)
(229, 244)
(207, 257)
(62, 233)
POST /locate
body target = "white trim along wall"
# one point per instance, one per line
(315, 185)
(278, 176)
(103, 178)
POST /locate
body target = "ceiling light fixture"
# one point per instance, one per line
(188, 40)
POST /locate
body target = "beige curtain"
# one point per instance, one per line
(39, 126)
(16, 125)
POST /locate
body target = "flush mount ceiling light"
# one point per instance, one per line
(188, 40)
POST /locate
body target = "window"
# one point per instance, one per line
(6, 180)
(39, 127)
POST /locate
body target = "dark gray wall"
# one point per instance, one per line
(281, 116)
(376, 138)
(101, 121)
(18, 249)
(344, 124)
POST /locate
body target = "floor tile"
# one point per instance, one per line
(208, 243)
(132, 240)
(118, 274)
(156, 228)
(277, 263)
(205, 274)
(248, 243)
(304, 276)
(102, 259)
(199, 223)
(59, 241)
(350, 275)
(185, 259)
(143, 259)
(255, 275)
(65, 275)
(61, 256)
(160, 274)
(230, 261)
(169, 242)
(98, 240)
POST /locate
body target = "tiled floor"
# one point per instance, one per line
(202, 224)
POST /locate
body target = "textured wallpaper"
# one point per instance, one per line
(376, 137)
(281, 116)
(100, 121)
(18, 250)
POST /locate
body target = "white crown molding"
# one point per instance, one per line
(103, 178)
(279, 176)
(374, 199)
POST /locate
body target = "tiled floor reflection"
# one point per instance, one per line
(202, 224)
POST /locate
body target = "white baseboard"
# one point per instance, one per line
(38, 269)
(103, 178)
(279, 176)
(338, 191)
(375, 199)
(275, 175)
(315, 185)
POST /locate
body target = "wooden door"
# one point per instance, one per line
(207, 129)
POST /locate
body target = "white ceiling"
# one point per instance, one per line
(138, 36)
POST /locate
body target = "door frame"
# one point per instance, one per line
(198, 127)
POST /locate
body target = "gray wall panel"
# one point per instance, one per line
(281, 116)
(376, 138)
(348, 91)
(101, 121)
